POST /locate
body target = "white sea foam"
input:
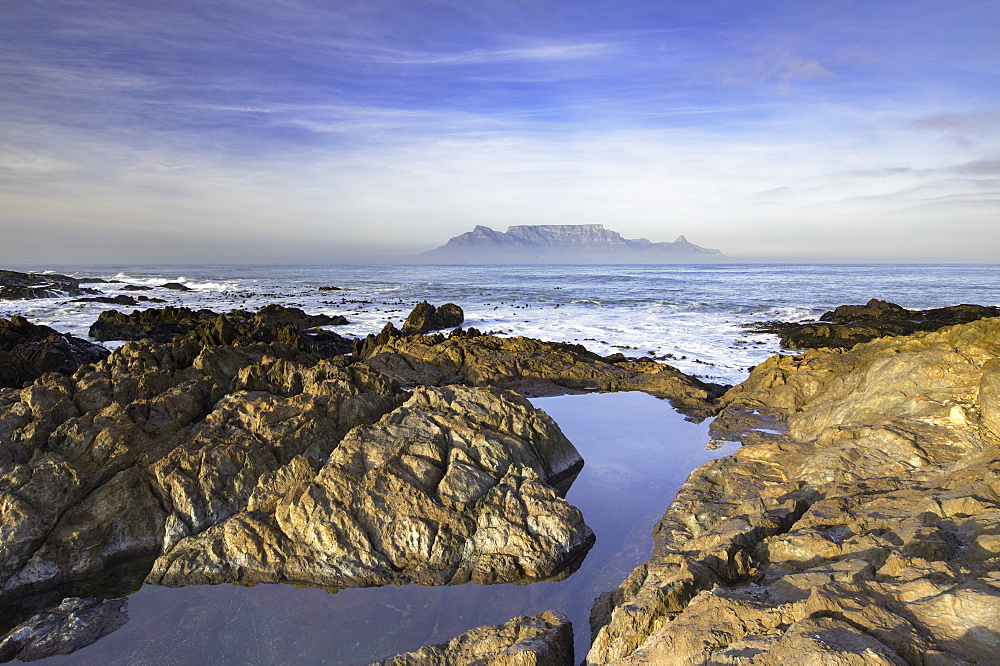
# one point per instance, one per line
(692, 317)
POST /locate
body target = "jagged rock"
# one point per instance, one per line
(528, 366)
(545, 639)
(864, 528)
(426, 318)
(21, 286)
(73, 624)
(158, 442)
(28, 351)
(274, 323)
(849, 325)
(454, 485)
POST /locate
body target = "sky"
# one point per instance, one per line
(287, 131)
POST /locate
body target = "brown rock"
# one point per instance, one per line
(542, 640)
(531, 367)
(426, 318)
(859, 523)
(455, 485)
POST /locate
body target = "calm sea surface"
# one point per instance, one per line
(637, 449)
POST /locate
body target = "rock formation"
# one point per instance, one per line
(279, 462)
(542, 640)
(426, 318)
(531, 367)
(848, 325)
(28, 351)
(20, 286)
(273, 323)
(859, 523)
(563, 242)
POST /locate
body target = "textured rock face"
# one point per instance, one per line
(542, 640)
(20, 286)
(73, 624)
(28, 351)
(849, 325)
(281, 465)
(426, 318)
(860, 522)
(532, 367)
(271, 324)
(157, 443)
(453, 486)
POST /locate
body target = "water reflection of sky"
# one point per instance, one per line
(638, 451)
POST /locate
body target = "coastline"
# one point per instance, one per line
(750, 535)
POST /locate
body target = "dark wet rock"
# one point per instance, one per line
(861, 526)
(28, 351)
(176, 286)
(136, 287)
(531, 367)
(121, 299)
(545, 639)
(333, 289)
(270, 325)
(426, 318)
(22, 286)
(849, 325)
(73, 624)
(279, 315)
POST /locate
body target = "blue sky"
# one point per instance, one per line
(288, 131)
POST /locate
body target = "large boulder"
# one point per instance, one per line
(426, 318)
(531, 367)
(28, 351)
(454, 485)
(545, 639)
(859, 522)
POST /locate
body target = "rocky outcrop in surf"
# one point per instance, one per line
(15, 285)
(849, 325)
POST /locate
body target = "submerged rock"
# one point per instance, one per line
(849, 325)
(865, 528)
(529, 366)
(545, 639)
(28, 351)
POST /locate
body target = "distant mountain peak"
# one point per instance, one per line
(563, 243)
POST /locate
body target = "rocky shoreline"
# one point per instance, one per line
(858, 523)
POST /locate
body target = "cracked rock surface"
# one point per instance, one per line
(858, 524)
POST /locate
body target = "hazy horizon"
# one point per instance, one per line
(300, 132)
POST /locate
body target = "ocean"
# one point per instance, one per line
(689, 315)
(637, 449)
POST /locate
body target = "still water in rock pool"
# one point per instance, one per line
(638, 451)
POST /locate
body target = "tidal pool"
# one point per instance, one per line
(638, 451)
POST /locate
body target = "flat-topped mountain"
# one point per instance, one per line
(563, 242)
